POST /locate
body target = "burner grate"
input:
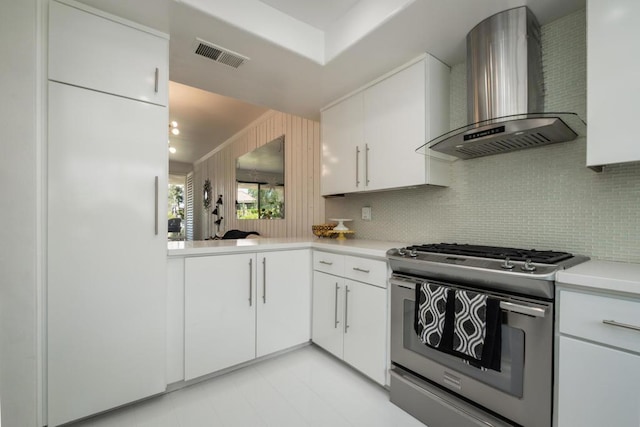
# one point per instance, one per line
(494, 252)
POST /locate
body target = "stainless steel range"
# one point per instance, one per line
(442, 388)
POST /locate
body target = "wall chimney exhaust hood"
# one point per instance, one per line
(505, 92)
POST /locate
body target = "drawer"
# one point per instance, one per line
(366, 270)
(582, 315)
(328, 262)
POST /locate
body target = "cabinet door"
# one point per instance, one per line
(220, 320)
(598, 386)
(106, 263)
(91, 51)
(284, 300)
(394, 112)
(328, 312)
(366, 329)
(613, 88)
(342, 147)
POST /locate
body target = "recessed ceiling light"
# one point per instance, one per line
(172, 150)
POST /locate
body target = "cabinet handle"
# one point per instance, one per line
(325, 262)
(264, 280)
(357, 166)
(621, 325)
(361, 270)
(346, 308)
(335, 326)
(250, 282)
(366, 165)
(155, 209)
(155, 88)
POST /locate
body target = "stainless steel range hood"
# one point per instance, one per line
(505, 92)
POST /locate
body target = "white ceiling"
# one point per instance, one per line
(317, 13)
(279, 77)
(205, 120)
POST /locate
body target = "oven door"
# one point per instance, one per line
(521, 391)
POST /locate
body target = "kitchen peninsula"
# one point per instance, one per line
(230, 302)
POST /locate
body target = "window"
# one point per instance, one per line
(260, 201)
(176, 207)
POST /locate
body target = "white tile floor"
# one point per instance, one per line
(306, 387)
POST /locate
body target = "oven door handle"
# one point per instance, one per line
(523, 309)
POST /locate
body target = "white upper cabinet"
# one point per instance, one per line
(369, 139)
(93, 50)
(342, 149)
(613, 87)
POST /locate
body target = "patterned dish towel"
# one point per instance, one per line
(470, 327)
(430, 315)
(463, 323)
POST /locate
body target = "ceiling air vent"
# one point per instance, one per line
(219, 54)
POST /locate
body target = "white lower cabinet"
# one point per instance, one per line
(598, 360)
(328, 312)
(349, 317)
(365, 329)
(599, 386)
(284, 300)
(242, 306)
(220, 315)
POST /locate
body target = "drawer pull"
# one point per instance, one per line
(621, 325)
(325, 262)
(361, 270)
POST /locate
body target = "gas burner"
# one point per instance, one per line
(494, 252)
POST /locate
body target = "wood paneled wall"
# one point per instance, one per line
(303, 204)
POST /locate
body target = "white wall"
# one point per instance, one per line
(303, 204)
(19, 210)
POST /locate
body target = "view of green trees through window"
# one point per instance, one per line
(176, 201)
(175, 212)
(260, 201)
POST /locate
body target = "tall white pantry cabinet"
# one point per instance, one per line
(106, 223)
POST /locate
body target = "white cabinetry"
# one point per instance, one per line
(220, 314)
(598, 362)
(613, 88)
(284, 300)
(342, 147)
(349, 317)
(369, 139)
(242, 306)
(106, 236)
(90, 50)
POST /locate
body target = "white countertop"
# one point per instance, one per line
(369, 248)
(603, 275)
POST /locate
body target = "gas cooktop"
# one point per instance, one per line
(493, 252)
(525, 271)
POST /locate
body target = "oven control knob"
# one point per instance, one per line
(413, 253)
(402, 251)
(528, 265)
(507, 264)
